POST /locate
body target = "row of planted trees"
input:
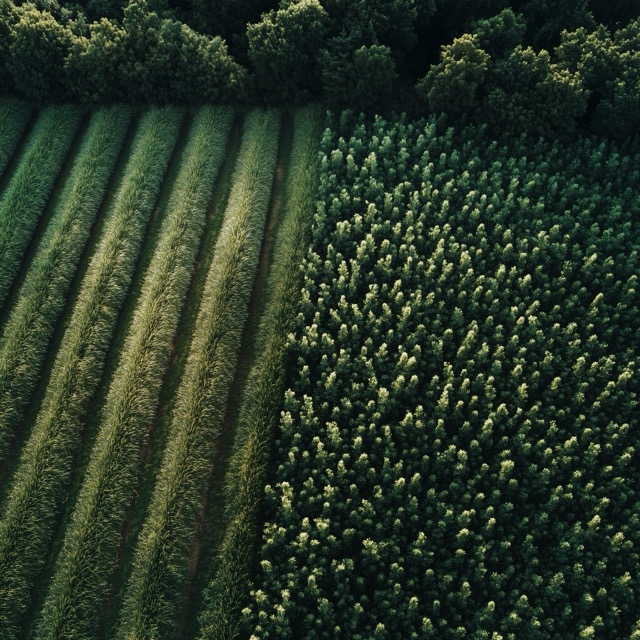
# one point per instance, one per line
(457, 451)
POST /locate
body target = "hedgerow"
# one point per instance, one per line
(457, 454)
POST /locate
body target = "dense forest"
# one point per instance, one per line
(546, 68)
(455, 457)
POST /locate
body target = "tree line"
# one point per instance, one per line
(515, 65)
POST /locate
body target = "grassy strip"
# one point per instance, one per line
(14, 116)
(86, 560)
(43, 474)
(153, 452)
(160, 563)
(262, 397)
(211, 522)
(42, 296)
(26, 195)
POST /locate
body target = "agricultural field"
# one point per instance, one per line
(458, 451)
(266, 382)
(149, 274)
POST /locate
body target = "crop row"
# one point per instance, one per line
(263, 392)
(161, 558)
(25, 196)
(35, 496)
(457, 454)
(89, 550)
(43, 293)
(14, 116)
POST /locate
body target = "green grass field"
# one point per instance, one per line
(119, 232)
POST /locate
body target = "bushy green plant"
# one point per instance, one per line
(39, 46)
(452, 85)
(499, 35)
(527, 93)
(283, 49)
(609, 66)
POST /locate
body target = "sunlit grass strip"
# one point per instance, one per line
(161, 558)
(263, 393)
(24, 199)
(89, 551)
(43, 474)
(25, 340)
(14, 115)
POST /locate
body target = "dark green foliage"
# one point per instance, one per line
(180, 64)
(109, 9)
(452, 85)
(546, 19)
(614, 12)
(96, 63)
(361, 77)
(610, 68)
(458, 447)
(227, 17)
(392, 21)
(283, 49)
(500, 34)
(527, 93)
(520, 91)
(7, 20)
(454, 17)
(39, 46)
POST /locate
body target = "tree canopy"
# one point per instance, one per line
(530, 66)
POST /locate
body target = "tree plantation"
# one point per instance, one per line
(457, 454)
